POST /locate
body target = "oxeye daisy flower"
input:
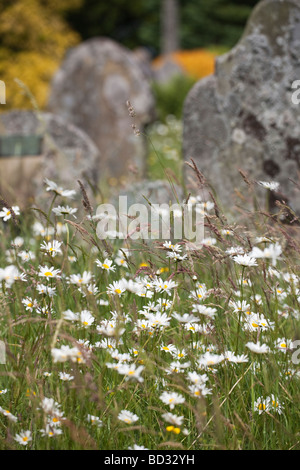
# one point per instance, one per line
(110, 328)
(50, 431)
(272, 185)
(46, 290)
(178, 353)
(177, 367)
(116, 288)
(235, 250)
(94, 420)
(8, 414)
(29, 303)
(200, 390)
(158, 319)
(175, 256)
(64, 353)
(49, 405)
(131, 371)
(90, 289)
(55, 419)
(245, 260)
(53, 248)
(23, 438)
(136, 447)
(200, 293)
(173, 419)
(49, 272)
(6, 213)
(275, 405)
(210, 241)
(86, 318)
(172, 247)
(168, 348)
(106, 265)
(283, 344)
(81, 279)
(65, 210)
(172, 399)
(120, 261)
(255, 322)
(208, 359)
(204, 310)
(261, 405)
(185, 318)
(272, 251)
(10, 274)
(26, 255)
(127, 417)
(231, 357)
(164, 286)
(197, 379)
(52, 186)
(65, 377)
(239, 306)
(258, 348)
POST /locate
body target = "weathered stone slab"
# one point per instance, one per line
(242, 117)
(66, 154)
(91, 90)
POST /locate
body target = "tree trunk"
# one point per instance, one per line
(169, 26)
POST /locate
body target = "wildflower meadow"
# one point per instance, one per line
(145, 344)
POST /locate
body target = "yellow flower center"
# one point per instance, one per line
(105, 266)
(48, 273)
(24, 439)
(118, 291)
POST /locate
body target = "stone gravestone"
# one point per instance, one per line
(91, 89)
(242, 117)
(34, 146)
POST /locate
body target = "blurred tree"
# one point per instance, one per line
(33, 39)
(202, 22)
(118, 19)
(213, 22)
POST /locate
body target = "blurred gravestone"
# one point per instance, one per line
(37, 146)
(91, 90)
(242, 117)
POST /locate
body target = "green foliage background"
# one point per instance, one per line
(203, 22)
(36, 34)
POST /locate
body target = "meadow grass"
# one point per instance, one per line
(198, 346)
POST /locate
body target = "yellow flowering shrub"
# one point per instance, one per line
(34, 38)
